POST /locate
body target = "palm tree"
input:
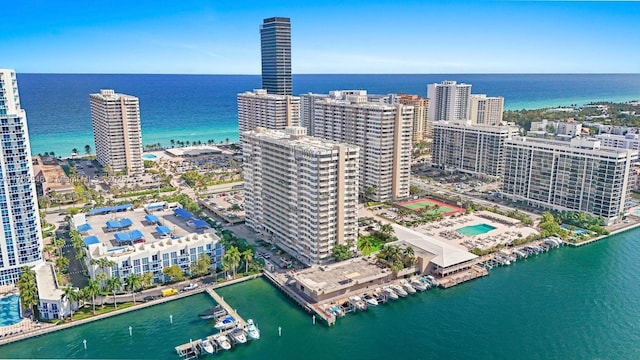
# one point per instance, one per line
(231, 259)
(87, 149)
(70, 294)
(147, 279)
(247, 256)
(172, 142)
(28, 289)
(133, 283)
(74, 151)
(91, 290)
(58, 243)
(386, 229)
(114, 284)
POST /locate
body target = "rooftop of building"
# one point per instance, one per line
(47, 286)
(467, 124)
(50, 172)
(576, 145)
(295, 136)
(436, 251)
(123, 227)
(329, 278)
(262, 93)
(110, 94)
(194, 151)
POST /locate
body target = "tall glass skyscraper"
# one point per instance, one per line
(21, 238)
(275, 36)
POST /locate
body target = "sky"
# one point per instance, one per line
(372, 36)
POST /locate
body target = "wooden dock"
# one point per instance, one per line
(231, 311)
(308, 307)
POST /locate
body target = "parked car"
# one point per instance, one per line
(190, 287)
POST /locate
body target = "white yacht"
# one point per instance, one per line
(252, 330)
(226, 323)
(408, 288)
(370, 300)
(224, 342)
(399, 290)
(390, 293)
(418, 285)
(239, 336)
(207, 346)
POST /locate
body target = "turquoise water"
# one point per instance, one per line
(475, 229)
(149, 157)
(569, 303)
(204, 107)
(10, 310)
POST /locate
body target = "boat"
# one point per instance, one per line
(408, 288)
(213, 313)
(252, 330)
(390, 293)
(358, 303)
(431, 280)
(238, 336)
(337, 311)
(398, 290)
(226, 323)
(224, 342)
(370, 299)
(207, 346)
(418, 285)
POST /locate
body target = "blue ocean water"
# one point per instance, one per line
(203, 107)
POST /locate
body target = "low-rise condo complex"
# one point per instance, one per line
(146, 240)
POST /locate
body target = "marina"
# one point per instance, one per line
(233, 330)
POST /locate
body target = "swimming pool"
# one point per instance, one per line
(475, 229)
(10, 310)
(149, 157)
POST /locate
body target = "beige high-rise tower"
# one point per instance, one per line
(116, 131)
(301, 191)
(381, 130)
(270, 111)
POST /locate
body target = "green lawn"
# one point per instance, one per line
(375, 244)
(424, 204)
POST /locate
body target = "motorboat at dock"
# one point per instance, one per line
(213, 313)
(224, 342)
(252, 330)
(238, 336)
(370, 299)
(398, 290)
(226, 323)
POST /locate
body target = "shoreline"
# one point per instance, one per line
(50, 328)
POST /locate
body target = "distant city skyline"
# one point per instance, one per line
(207, 37)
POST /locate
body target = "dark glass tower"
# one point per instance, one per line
(275, 36)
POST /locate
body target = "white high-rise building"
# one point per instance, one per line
(577, 175)
(301, 190)
(383, 133)
(449, 101)
(470, 148)
(116, 131)
(21, 238)
(486, 110)
(270, 111)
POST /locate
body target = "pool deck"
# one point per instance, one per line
(445, 230)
